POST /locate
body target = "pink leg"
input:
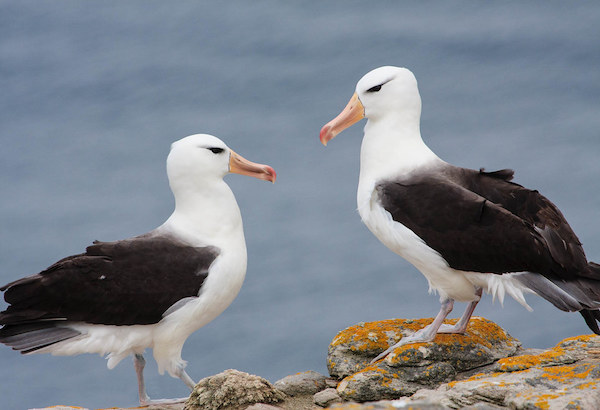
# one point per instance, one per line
(139, 362)
(461, 326)
(427, 334)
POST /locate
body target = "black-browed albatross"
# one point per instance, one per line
(149, 291)
(465, 230)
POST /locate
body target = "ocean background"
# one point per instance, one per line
(92, 93)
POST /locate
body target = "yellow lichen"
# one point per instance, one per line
(592, 384)
(543, 400)
(368, 336)
(526, 361)
(568, 373)
(377, 336)
(580, 338)
(474, 377)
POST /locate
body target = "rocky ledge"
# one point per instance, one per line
(484, 369)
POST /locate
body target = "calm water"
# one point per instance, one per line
(93, 93)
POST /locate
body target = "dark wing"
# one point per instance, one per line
(469, 231)
(537, 210)
(127, 282)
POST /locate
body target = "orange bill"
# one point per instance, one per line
(353, 113)
(240, 165)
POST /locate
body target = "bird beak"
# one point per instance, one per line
(353, 113)
(240, 165)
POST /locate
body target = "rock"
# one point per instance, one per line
(262, 406)
(61, 408)
(353, 348)
(326, 397)
(485, 369)
(388, 405)
(413, 366)
(383, 382)
(309, 382)
(530, 381)
(232, 389)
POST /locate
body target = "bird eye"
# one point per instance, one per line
(374, 89)
(216, 150)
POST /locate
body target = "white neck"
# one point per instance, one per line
(206, 214)
(392, 146)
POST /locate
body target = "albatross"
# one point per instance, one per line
(149, 291)
(467, 231)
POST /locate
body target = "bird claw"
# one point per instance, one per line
(450, 329)
(382, 355)
(421, 336)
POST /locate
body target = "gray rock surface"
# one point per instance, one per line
(414, 366)
(353, 348)
(567, 376)
(262, 406)
(564, 377)
(326, 397)
(483, 370)
(232, 389)
(309, 382)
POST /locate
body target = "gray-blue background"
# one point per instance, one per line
(93, 93)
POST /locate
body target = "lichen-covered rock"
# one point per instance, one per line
(232, 389)
(309, 382)
(535, 388)
(552, 357)
(380, 381)
(413, 366)
(389, 405)
(353, 348)
(532, 381)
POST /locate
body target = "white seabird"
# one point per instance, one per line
(465, 230)
(150, 291)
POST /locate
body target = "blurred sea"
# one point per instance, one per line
(93, 93)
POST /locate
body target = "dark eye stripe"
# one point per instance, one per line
(374, 89)
(216, 150)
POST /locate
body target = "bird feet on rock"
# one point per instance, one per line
(422, 336)
(458, 328)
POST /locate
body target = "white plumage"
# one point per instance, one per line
(198, 254)
(445, 220)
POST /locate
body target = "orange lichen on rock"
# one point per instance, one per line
(480, 335)
(542, 401)
(368, 336)
(385, 374)
(378, 336)
(474, 377)
(480, 331)
(580, 338)
(593, 385)
(568, 373)
(551, 357)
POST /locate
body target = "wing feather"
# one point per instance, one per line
(133, 281)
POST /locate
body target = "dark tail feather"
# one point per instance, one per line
(29, 337)
(591, 318)
(570, 296)
(581, 294)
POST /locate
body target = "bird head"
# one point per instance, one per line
(204, 157)
(384, 93)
